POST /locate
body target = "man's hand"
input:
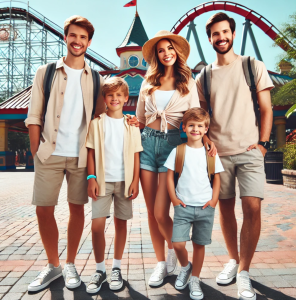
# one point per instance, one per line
(133, 190)
(177, 202)
(212, 203)
(132, 120)
(260, 147)
(93, 189)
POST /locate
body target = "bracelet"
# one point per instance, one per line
(91, 176)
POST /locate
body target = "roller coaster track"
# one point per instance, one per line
(267, 27)
(28, 12)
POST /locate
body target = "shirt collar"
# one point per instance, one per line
(60, 64)
(124, 116)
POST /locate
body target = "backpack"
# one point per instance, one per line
(251, 78)
(47, 82)
(179, 163)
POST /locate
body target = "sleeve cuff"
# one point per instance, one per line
(139, 149)
(89, 145)
(33, 121)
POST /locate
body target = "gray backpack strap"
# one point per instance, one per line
(205, 80)
(251, 79)
(47, 83)
(96, 85)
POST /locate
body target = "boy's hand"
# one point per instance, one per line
(132, 120)
(93, 189)
(177, 202)
(212, 203)
(133, 191)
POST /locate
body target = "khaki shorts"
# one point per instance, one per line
(248, 167)
(123, 207)
(49, 177)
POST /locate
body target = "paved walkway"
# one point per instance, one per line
(21, 252)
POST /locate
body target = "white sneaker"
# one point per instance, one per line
(195, 289)
(244, 286)
(229, 272)
(72, 279)
(171, 263)
(160, 272)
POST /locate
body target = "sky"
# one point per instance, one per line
(112, 21)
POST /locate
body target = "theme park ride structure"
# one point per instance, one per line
(28, 40)
(250, 16)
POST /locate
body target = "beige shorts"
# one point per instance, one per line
(123, 207)
(248, 167)
(49, 177)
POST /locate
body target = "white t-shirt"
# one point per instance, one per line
(194, 186)
(114, 136)
(162, 98)
(72, 116)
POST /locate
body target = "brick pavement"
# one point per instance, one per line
(21, 252)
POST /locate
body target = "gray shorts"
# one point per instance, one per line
(157, 147)
(123, 207)
(248, 167)
(202, 221)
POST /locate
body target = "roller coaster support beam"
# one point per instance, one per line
(248, 28)
(191, 28)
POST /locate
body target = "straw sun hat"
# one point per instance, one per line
(148, 47)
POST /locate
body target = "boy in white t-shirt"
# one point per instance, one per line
(113, 172)
(194, 200)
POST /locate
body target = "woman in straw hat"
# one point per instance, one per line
(166, 93)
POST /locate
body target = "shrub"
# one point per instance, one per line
(289, 151)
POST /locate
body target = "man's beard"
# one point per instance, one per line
(230, 44)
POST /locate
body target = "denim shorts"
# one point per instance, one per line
(157, 146)
(202, 221)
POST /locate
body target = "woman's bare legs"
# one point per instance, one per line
(158, 206)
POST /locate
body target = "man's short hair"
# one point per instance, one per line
(219, 17)
(113, 84)
(197, 114)
(81, 22)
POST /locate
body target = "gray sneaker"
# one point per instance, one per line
(96, 281)
(45, 277)
(244, 286)
(72, 279)
(229, 272)
(183, 278)
(116, 281)
(195, 289)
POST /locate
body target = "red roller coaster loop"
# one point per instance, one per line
(257, 19)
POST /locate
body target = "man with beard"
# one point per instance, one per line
(58, 147)
(240, 145)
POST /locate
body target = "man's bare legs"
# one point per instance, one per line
(250, 231)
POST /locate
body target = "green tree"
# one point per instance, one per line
(18, 140)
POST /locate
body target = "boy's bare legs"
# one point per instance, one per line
(120, 237)
(229, 226)
(181, 253)
(250, 230)
(149, 182)
(75, 229)
(49, 232)
(98, 238)
(197, 259)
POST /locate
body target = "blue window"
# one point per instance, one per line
(144, 63)
(133, 61)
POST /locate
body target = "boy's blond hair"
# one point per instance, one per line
(113, 84)
(197, 114)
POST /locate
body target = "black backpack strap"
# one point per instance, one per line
(251, 79)
(96, 84)
(47, 83)
(205, 80)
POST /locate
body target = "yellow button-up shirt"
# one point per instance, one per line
(131, 145)
(49, 128)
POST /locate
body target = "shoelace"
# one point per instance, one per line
(43, 273)
(115, 275)
(95, 278)
(245, 282)
(195, 287)
(71, 271)
(228, 268)
(182, 275)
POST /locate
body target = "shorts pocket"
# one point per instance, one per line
(174, 140)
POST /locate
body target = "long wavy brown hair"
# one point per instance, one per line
(156, 71)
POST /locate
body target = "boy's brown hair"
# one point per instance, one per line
(81, 22)
(113, 84)
(197, 114)
(219, 17)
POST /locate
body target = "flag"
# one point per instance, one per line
(132, 3)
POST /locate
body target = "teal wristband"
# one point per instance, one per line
(91, 176)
